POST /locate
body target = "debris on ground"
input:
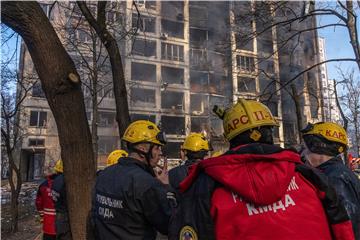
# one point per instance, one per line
(29, 228)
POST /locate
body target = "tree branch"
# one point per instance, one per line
(101, 14)
(309, 68)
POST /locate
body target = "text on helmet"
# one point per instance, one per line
(244, 119)
(335, 134)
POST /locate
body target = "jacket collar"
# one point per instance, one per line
(127, 161)
(334, 160)
(192, 161)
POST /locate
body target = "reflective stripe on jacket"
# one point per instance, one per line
(45, 205)
(130, 203)
(257, 191)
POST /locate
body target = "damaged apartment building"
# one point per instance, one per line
(180, 59)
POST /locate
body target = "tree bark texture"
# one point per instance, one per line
(15, 180)
(120, 92)
(15, 186)
(61, 84)
(95, 113)
(344, 118)
(353, 32)
(9, 140)
(296, 98)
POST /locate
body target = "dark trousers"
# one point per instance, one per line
(49, 237)
(64, 236)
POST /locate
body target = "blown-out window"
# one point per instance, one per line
(107, 144)
(246, 84)
(172, 29)
(38, 119)
(172, 10)
(144, 23)
(172, 100)
(143, 72)
(172, 149)
(173, 125)
(144, 48)
(106, 119)
(199, 104)
(245, 63)
(135, 117)
(37, 90)
(199, 81)
(200, 124)
(172, 75)
(141, 97)
(199, 59)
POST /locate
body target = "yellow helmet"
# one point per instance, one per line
(332, 132)
(59, 166)
(196, 142)
(243, 116)
(142, 131)
(114, 156)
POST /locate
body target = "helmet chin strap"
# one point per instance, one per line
(147, 155)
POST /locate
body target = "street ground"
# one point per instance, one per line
(29, 227)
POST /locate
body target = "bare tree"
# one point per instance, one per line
(286, 17)
(93, 59)
(90, 55)
(350, 99)
(62, 87)
(91, 62)
(289, 29)
(110, 43)
(11, 132)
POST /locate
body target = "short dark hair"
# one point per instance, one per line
(196, 155)
(320, 145)
(131, 146)
(244, 138)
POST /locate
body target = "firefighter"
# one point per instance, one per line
(62, 216)
(131, 200)
(195, 148)
(45, 204)
(114, 156)
(324, 142)
(256, 190)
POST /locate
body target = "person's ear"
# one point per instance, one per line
(143, 147)
(182, 154)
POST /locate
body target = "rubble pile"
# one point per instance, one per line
(26, 202)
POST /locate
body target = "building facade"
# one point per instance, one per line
(301, 90)
(180, 59)
(331, 110)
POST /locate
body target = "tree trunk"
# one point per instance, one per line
(94, 126)
(14, 211)
(62, 87)
(299, 118)
(15, 186)
(344, 119)
(352, 28)
(95, 120)
(14, 180)
(120, 92)
(339, 107)
(357, 137)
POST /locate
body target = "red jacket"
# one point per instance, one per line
(45, 205)
(261, 196)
